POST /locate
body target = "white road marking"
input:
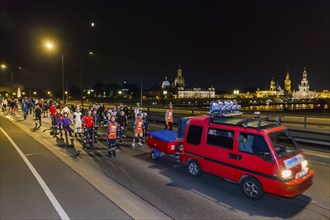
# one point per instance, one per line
(42, 183)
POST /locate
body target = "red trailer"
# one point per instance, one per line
(164, 142)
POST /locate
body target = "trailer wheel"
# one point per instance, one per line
(194, 168)
(179, 147)
(251, 188)
(153, 155)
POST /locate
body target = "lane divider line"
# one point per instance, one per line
(42, 183)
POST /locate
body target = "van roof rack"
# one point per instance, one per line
(226, 108)
(257, 123)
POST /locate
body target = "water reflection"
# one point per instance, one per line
(280, 107)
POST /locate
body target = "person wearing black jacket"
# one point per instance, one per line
(96, 124)
(100, 113)
(37, 115)
(122, 121)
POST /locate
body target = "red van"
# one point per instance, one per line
(262, 157)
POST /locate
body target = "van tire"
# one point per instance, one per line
(194, 168)
(251, 188)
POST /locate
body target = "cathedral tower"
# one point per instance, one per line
(287, 83)
(304, 86)
(272, 85)
(179, 80)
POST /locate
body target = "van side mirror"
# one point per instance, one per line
(267, 156)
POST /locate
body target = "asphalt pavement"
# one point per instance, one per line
(161, 189)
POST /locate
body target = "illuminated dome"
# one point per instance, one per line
(166, 83)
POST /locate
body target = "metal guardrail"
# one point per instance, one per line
(302, 135)
(312, 130)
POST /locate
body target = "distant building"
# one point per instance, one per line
(325, 94)
(16, 90)
(287, 84)
(196, 93)
(304, 92)
(179, 80)
(275, 90)
(178, 89)
(166, 84)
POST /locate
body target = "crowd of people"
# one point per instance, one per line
(86, 122)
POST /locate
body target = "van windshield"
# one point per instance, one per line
(283, 143)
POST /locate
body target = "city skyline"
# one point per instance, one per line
(230, 45)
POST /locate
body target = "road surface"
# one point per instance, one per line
(80, 181)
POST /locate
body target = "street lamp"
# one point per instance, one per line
(24, 70)
(4, 66)
(50, 46)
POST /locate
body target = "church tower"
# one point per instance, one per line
(304, 86)
(179, 80)
(287, 83)
(272, 85)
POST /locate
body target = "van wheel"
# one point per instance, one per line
(153, 155)
(252, 188)
(194, 168)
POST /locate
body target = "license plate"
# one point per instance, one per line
(301, 173)
(293, 161)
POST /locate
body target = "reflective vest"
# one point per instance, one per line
(170, 115)
(138, 126)
(112, 130)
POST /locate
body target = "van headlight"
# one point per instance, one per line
(304, 164)
(286, 174)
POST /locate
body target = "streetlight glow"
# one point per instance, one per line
(49, 45)
(3, 66)
(92, 24)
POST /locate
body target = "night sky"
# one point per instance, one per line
(227, 44)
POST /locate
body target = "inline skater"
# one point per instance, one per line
(37, 115)
(136, 110)
(112, 130)
(52, 112)
(96, 124)
(57, 118)
(138, 130)
(77, 117)
(125, 108)
(122, 121)
(65, 109)
(24, 109)
(65, 122)
(100, 113)
(88, 125)
(4, 105)
(169, 117)
(146, 124)
(44, 109)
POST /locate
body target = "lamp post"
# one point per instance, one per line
(29, 77)
(63, 77)
(50, 46)
(3, 66)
